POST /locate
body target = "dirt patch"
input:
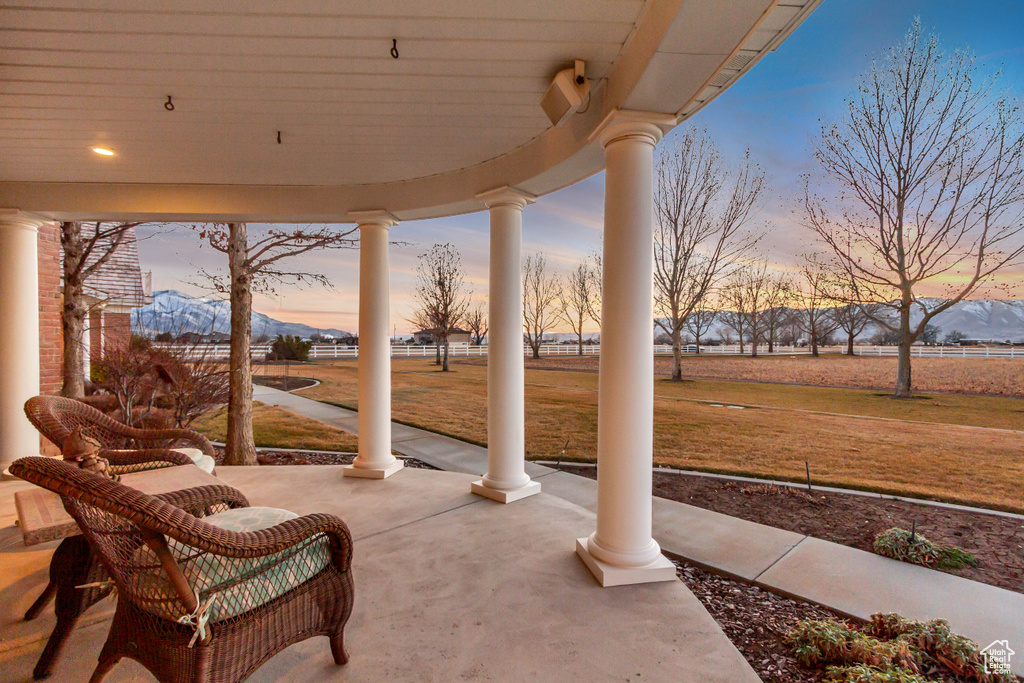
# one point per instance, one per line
(314, 458)
(997, 542)
(283, 383)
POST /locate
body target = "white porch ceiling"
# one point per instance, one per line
(457, 113)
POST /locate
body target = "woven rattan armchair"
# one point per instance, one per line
(199, 601)
(126, 449)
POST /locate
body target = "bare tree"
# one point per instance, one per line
(576, 300)
(815, 317)
(852, 315)
(476, 321)
(748, 292)
(777, 312)
(702, 215)
(441, 294)
(85, 251)
(699, 322)
(257, 265)
(927, 164)
(595, 266)
(540, 299)
(734, 298)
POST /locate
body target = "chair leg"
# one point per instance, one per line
(42, 601)
(338, 648)
(103, 668)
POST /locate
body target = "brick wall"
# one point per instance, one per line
(50, 301)
(117, 329)
(95, 333)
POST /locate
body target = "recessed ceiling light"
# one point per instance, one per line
(103, 151)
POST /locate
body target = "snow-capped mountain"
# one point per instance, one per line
(984, 319)
(177, 313)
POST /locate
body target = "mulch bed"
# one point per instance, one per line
(283, 383)
(266, 457)
(997, 542)
(756, 621)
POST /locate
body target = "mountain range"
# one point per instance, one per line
(178, 313)
(981, 319)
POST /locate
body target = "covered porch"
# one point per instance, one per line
(449, 586)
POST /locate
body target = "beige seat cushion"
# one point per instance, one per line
(262, 578)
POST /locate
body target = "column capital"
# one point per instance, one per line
(506, 196)
(648, 126)
(15, 218)
(373, 217)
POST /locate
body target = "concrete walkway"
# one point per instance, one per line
(850, 581)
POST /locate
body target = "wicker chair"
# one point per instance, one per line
(126, 448)
(199, 601)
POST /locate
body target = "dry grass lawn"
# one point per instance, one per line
(948, 462)
(995, 376)
(276, 428)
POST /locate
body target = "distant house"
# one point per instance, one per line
(456, 336)
(117, 287)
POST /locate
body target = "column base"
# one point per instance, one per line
(607, 575)
(373, 472)
(511, 496)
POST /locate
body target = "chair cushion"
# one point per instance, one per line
(239, 584)
(202, 461)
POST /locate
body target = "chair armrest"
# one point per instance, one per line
(127, 458)
(275, 539)
(199, 500)
(188, 436)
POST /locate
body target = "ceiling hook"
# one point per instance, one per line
(168, 105)
(394, 48)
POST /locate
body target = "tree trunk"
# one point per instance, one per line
(579, 343)
(849, 344)
(437, 349)
(72, 320)
(677, 355)
(903, 386)
(536, 348)
(444, 365)
(771, 342)
(741, 344)
(240, 448)
(753, 346)
(696, 338)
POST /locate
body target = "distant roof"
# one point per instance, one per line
(119, 280)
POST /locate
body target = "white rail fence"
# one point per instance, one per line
(331, 351)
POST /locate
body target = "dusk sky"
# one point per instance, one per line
(775, 110)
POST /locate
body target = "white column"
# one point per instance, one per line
(622, 550)
(506, 479)
(19, 333)
(374, 460)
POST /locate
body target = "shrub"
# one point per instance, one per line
(289, 348)
(897, 544)
(891, 649)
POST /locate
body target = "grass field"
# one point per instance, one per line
(995, 376)
(276, 428)
(904, 453)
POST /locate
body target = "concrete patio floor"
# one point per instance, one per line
(448, 586)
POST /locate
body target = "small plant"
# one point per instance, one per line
(891, 649)
(903, 545)
(899, 545)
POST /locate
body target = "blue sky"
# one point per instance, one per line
(774, 111)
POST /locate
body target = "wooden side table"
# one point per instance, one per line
(43, 518)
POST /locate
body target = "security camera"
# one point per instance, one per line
(566, 94)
